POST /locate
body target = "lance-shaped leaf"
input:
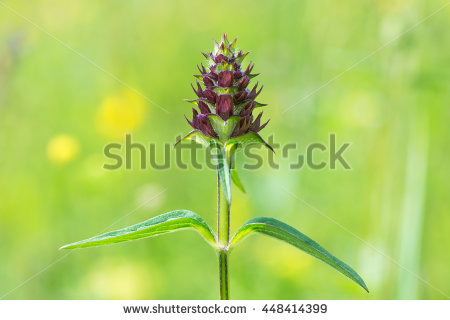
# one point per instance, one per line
(231, 156)
(198, 137)
(167, 222)
(236, 180)
(280, 230)
(224, 171)
(245, 140)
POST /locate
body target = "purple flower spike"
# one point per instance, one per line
(225, 91)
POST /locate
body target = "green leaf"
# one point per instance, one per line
(245, 140)
(280, 230)
(224, 129)
(198, 137)
(224, 171)
(231, 156)
(167, 222)
(236, 180)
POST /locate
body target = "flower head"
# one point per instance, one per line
(224, 101)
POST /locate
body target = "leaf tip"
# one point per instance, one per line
(358, 280)
(365, 287)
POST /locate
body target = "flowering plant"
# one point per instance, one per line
(224, 121)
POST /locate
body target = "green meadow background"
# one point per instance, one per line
(368, 71)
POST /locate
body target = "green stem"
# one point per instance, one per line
(223, 231)
(223, 271)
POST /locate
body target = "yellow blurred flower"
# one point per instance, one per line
(120, 114)
(62, 148)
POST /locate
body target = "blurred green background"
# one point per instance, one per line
(60, 105)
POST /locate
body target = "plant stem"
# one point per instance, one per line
(223, 231)
(223, 271)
